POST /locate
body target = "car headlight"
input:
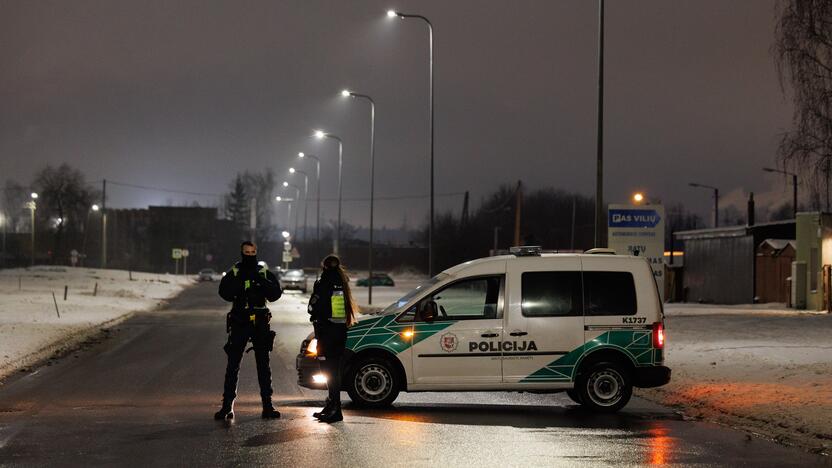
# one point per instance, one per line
(312, 347)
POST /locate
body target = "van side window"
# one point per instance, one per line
(609, 293)
(551, 294)
(474, 298)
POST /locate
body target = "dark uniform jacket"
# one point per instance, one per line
(320, 305)
(262, 286)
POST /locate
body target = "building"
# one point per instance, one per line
(720, 264)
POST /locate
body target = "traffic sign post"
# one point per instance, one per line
(639, 231)
(185, 254)
(176, 254)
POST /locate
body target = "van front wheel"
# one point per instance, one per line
(605, 387)
(373, 383)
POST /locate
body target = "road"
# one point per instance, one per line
(144, 394)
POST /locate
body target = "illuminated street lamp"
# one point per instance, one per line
(393, 14)
(318, 208)
(716, 200)
(320, 134)
(348, 93)
(32, 206)
(292, 170)
(638, 197)
(794, 185)
(288, 202)
(297, 197)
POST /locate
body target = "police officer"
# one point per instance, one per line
(248, 285)
(331, 310)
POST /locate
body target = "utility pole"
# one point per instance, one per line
(104, 223)
(599, 175)
(518, 206)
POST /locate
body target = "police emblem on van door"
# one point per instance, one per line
(448, 341)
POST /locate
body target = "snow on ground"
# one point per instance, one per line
(30, 328)
(766, 370)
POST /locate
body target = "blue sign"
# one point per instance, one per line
(624, 218)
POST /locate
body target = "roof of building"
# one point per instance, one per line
(731, 231)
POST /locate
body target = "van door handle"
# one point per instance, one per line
(490, 335)
(518, 333)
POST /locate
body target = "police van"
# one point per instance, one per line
(589, 324)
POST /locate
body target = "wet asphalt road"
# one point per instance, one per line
(145, 394)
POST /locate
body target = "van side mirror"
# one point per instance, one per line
(429, 311)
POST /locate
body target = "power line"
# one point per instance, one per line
(161, 189)
(205, 194)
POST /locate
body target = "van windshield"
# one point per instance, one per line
(395, 306)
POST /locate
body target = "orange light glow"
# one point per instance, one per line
(407, 334)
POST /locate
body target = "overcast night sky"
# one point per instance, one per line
(184, 94)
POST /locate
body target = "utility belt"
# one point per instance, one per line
(250, 317)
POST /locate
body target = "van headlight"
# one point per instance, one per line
(312, 347)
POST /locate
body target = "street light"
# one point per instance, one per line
(320, 134)
(638, 197)
(289, 205)
(302, 155)
(348, 93)
(32, 205)
(599, 143)
(794, 185)
(292, 170)
(393, 14)
(297, 197)
(716, 200)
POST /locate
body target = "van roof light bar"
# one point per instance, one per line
(526, 250)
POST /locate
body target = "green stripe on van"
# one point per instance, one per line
(385, 333)
(636, 344)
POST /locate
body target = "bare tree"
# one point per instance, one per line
(803, 49)
(65, 200)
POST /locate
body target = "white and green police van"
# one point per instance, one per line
(589, 324)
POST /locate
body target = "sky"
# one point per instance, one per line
(183, 95)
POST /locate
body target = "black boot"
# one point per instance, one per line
(226, 412)
(327, 408)
(269, 412)
(333, 415)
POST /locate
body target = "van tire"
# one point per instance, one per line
(373, 382)
(574, 396)
(605, 387)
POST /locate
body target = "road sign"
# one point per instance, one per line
(639, 231)
(176, 254)
(185, 252)
(295, 252)
(287, 257)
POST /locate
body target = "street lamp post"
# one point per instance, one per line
(393, 14)
(599, 144)
(794, 186)
(318, 202)
(32, 205)
(292, 170)
(716, 200)
(297, 197)
(347, 93)
(320, 134)
(289, 204)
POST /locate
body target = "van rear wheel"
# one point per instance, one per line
(373, 383)
(605, 387)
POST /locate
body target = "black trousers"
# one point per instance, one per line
(332, 341)
(235, 348)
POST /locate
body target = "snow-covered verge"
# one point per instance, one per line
(764, 370)
(30, 328)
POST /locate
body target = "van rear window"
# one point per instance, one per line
(551, 294)
(609, 293)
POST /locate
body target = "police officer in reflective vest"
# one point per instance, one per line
(331, 310)
(248, 285)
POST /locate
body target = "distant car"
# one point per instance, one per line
(293, 279)
(379, 279)
(206, 274)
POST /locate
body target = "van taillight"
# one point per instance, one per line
(658, 335)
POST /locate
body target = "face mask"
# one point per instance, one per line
(249, 260)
